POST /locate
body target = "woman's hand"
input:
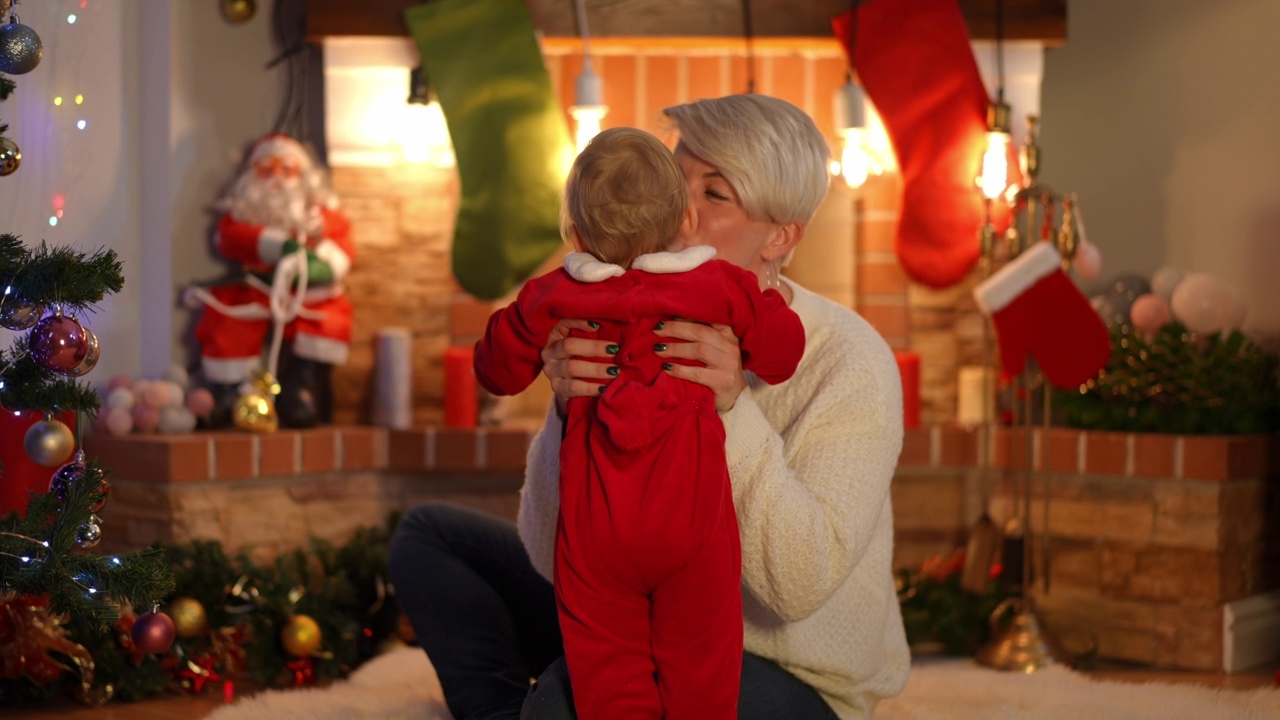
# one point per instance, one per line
(564, 365)
(716, 347)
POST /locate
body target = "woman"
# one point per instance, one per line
(810, 460)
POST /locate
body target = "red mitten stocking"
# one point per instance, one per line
(1038, 311)
(914, 60)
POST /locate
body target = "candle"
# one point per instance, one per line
(460, 400)
(392, 399)
(909, 369)
(975, 396)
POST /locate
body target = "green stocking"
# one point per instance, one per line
(508, 132)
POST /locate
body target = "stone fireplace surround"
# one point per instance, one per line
(1154, 539)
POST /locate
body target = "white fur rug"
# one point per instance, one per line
(401, 685)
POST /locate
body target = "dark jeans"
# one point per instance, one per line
(487, 620)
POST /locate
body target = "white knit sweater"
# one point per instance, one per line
(811, 461)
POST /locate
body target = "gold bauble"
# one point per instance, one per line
(255, 411)
(300, 636)
(49, 442)
(238, 11)
(189, 617)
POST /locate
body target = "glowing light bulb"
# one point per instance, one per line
(588, 108)
(994, 179)
(53, 221)
(57, 101)
(71, 19)
(425, 135)
(82, 124)
(79, 99)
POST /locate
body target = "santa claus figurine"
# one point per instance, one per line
(282, 225)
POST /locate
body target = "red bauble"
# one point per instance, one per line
(153, 632)
(58, 343)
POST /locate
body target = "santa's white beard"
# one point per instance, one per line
(268, 202)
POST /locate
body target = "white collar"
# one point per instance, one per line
(583, 267)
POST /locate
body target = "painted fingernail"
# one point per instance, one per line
(659, 326)
(667, 366)
(612, 349)
(613, 370)
(601, 390)
(660, 347)
(594, 325)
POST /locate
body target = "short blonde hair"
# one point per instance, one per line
(769, 150)
(625, 195)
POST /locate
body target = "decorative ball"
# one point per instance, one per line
(177, 394)
(91, 357)
(58, 343)
(238, 11)
(89, 535)
(1205, 304)
(189, 617)
(1087, 261)
(153, 632)
(154, 393)
(49, 442)
(200, 402)
(178, 374)
(15, 314)
(1102, 305)
(146, 419)
(121, 398)
(175, 420)
(119, 381)
(20, 49)
(1150, 313)
(255, 411)
(64, 477)
(300, 636)
(1164, 281)
(10, 157)
(120, 421)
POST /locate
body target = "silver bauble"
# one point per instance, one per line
(49, 442)
(20, 48)
(10, 157)
(89, 534)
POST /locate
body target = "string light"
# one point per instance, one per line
(82, 124)
(53, 221)
(79, 99)
(71, 19)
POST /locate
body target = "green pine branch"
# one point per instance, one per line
(58, 276)
(39, 556)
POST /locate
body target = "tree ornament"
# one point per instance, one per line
(198, 671)
(91, 356)
(20, 48)
(76, 472)
(58, 343)
(255, 410)
(49, 442)
(153, 632)
(189, 617)
(10, 157)
(90, 534)
(300, 636)
(18, 315)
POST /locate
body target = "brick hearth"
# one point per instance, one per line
(1149, 535)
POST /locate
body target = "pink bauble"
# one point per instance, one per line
(1087, 261)
(119, 421)
(200, 402)
(1204, 303)
(119, 381)
(155, 394)
(153, 632)
(146, 418)
(1149, 313)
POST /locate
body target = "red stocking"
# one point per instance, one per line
(914, 60)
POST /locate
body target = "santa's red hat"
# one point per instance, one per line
(280, 145)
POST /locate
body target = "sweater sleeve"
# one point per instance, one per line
(770, 334)
(807, 508)
(540, 496)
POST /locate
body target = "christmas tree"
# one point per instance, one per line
(48, 576)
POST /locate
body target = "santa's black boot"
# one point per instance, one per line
(224, 400)
(305, 398)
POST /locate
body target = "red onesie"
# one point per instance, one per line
(648, 561)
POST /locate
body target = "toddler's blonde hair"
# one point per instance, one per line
(625, 195)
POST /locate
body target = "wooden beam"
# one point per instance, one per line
(1043, 20)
